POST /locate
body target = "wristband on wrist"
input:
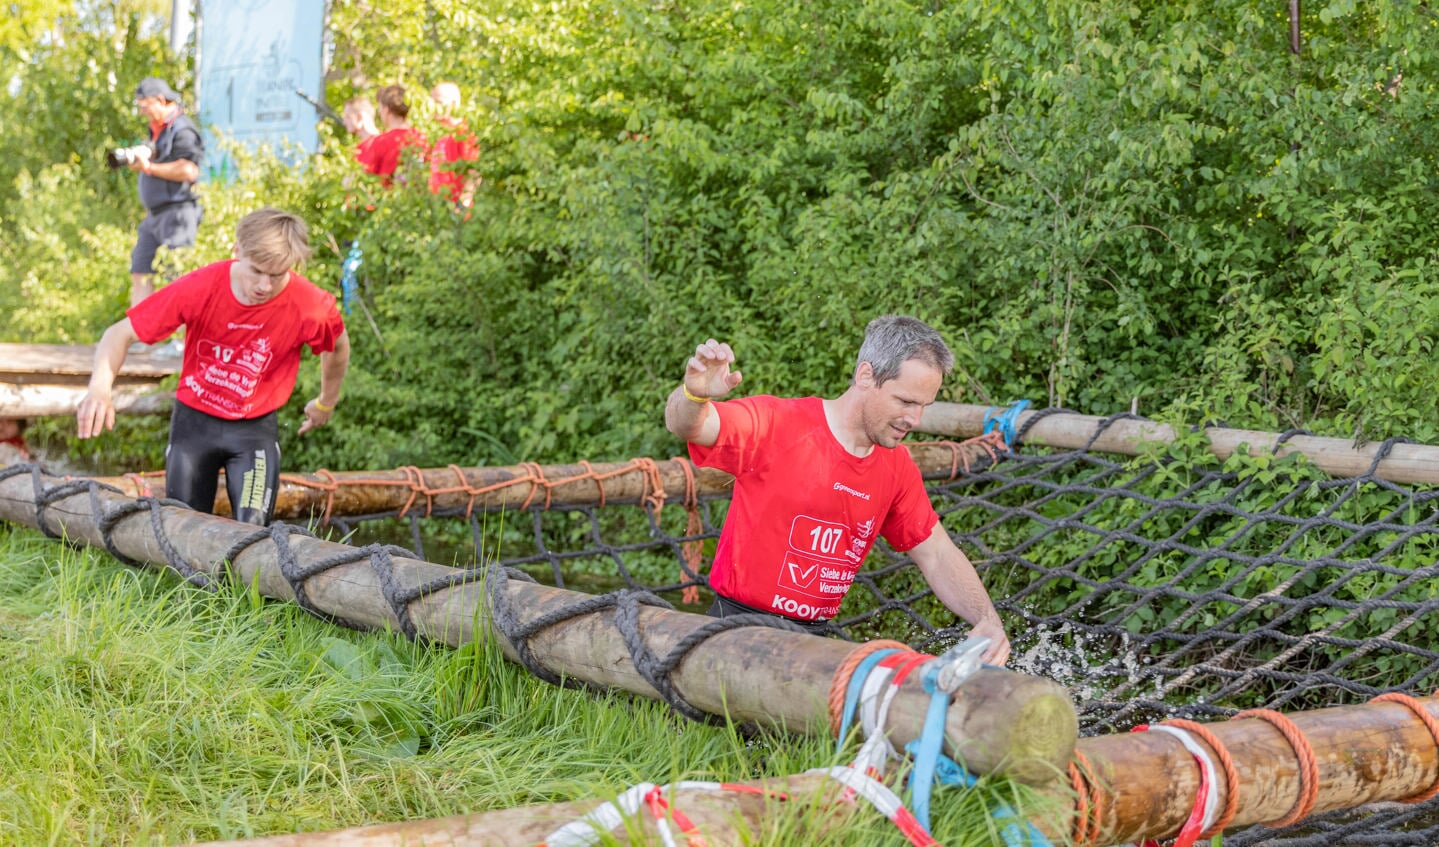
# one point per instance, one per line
(147, 168)
(322, 407)
(692, 397)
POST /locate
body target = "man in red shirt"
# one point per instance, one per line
(359, 120)
(456, 147)
(247, 320)
(818, 480)
(383, 154)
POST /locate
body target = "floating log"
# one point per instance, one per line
(1147, 784)
(1338, 457)
(1024, 725)
(323, 493)
(1376, 752)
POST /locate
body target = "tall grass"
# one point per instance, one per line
(140, 710)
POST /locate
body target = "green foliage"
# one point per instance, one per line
(1096, 202)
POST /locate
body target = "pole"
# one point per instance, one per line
(1338, 457)
(182, 23)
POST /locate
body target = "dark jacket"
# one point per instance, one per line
(178, 140)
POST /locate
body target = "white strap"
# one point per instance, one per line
(589, 829)
(1211, 801)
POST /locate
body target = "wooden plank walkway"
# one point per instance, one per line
(39, 380)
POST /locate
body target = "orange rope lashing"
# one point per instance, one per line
(1226, 764)
(840, 683)
(329, 486)
(142, 482)
(693, 526)
(1429, 723)
(1088, 801)
(992, 443)
(1308, 766)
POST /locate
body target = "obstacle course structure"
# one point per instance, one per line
(1240, 620)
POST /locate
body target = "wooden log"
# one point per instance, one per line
(1025, 725)
(1338, 457)
(70, 364)
(724, 817)
(302, 496)
(40, 401)
(1365, 754)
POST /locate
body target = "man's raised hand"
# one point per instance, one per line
(708, 374)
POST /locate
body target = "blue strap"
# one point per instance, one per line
(930, 763)
(1013, 830)
(1006, 420)
(852, 692)
(927, 748)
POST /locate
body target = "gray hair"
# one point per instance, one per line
(892, 340)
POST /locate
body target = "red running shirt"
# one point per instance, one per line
(381, 155)
(459, 146)
(240, 361)
(805, 511)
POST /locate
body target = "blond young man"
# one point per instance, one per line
(247, 320)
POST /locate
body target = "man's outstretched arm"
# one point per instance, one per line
(707, 377)
(955, 582)
(333, 366)
(96, 412)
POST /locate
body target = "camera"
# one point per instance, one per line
(123, 157)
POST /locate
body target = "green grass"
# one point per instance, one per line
(140, 710)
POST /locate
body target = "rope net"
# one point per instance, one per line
(1171, 586)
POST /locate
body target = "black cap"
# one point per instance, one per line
(152, 86)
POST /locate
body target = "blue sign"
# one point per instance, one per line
(258, 61)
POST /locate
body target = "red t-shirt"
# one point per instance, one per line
(240, 361)
(381, 155)
(805, 511)
(362, 151)
(18, 442)
(458, 146)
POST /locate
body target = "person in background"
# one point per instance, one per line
(12, 441)
(359, 119)
(817, 481)
(248, 318)
(167, 178)
(382, 154)
(455, 147)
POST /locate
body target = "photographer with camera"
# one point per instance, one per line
(168, 167)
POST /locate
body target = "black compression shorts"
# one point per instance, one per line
(724, 607)
(248, 451)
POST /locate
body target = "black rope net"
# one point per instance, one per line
(1170, 585)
